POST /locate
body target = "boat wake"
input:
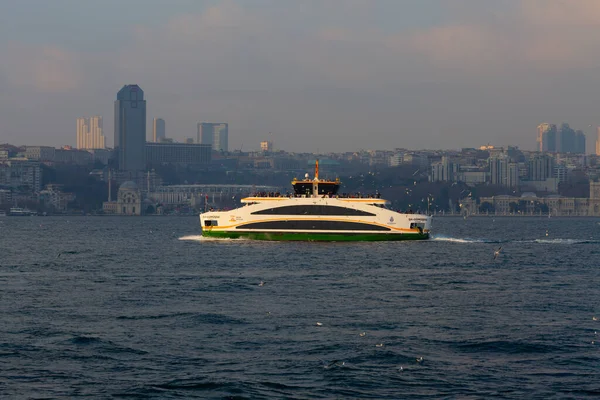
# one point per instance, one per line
(538, 241)
(564, 241)
(459, 240)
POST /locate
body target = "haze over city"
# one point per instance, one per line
(320, 75)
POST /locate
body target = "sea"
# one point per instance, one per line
(145, 308)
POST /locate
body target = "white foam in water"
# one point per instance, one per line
(455, 240)
(561, 241)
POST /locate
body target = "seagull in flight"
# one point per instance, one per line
(497, 252)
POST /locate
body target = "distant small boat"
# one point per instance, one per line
(20, 212)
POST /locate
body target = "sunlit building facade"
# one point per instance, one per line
(89, 133)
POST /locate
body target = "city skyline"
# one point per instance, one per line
(322, 76)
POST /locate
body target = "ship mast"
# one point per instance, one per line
(315, 189)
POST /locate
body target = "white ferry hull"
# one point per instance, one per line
(335, 219)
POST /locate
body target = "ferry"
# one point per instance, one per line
(315, 211)
(20, 212)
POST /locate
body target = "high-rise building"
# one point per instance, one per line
(444, 171)
(89, 133)
(215, 134)
(546, 137)
(503, 172)
(130, 129)
(598, 141)
(569, 140)
(158, 130)
(579, 146)
(540, 168)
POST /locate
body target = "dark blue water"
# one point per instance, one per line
(141, 308)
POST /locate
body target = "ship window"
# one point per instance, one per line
(313, 210)
(209, 222)
(313, 225)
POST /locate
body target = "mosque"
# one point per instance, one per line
(129, 201)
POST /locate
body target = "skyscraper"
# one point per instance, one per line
(215, 134)
(89, 133)
(546, 137)
(569, 140)
(598, 141)
(158, 130)
(130, 128)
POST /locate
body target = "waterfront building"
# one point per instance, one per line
(130, 129)
(215, 134)
(5, 196)
(129, 201)
(54, 196)
(89, 133)
(158, 130)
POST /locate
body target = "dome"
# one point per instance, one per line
(129, 185)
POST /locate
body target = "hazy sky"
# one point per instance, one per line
(322, 75)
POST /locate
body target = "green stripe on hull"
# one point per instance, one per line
(315, 237)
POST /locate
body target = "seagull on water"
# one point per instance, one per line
(261, 283)
(379, 345)
(420, 359)
(497, 252)
(319, 324)
(362, 334)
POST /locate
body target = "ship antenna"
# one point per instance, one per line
(317, 169)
